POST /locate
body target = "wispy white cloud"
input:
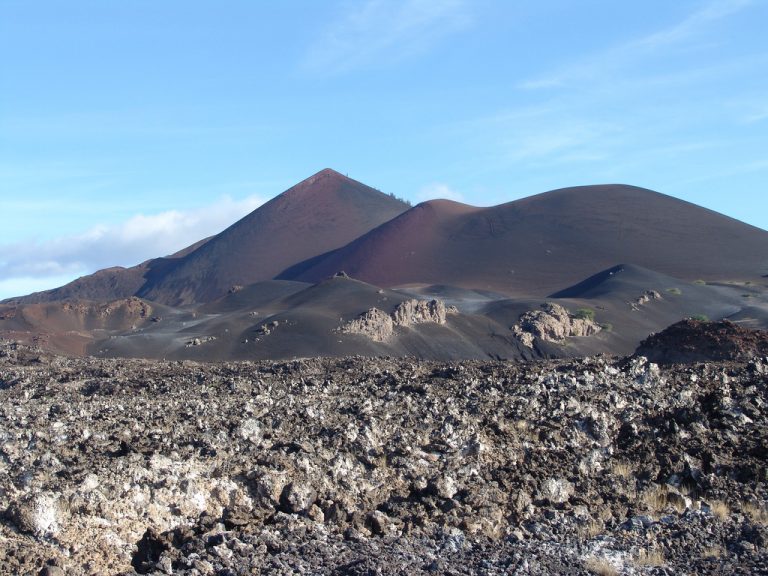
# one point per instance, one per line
(438, 190)
(753, 110)
(139, 238)
(567, 141)
(383, 32)
(691, 25)
(757, 117)
(624, 55)
(656, 100)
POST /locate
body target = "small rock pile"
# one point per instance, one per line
(645, 298)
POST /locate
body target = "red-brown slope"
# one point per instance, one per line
(69, 327)
(546, 242)
(317, 215)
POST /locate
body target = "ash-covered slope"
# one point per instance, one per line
(541, 244)
(337, 317)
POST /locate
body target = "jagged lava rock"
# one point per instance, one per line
(696, 341)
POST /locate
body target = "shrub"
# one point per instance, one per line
(675, 291)
(700, 282)
(700, 317)
(585, 314)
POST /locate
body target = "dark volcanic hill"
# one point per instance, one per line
(514, 281)
(541, 244)
(319, 214)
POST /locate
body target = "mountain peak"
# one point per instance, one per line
(324, 174)
(319, 214)
(329, 172)
(321, 183)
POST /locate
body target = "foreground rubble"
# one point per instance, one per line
(381, 466)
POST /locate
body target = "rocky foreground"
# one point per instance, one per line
(381, 466)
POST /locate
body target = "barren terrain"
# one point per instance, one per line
(289, 280)
(381, 466)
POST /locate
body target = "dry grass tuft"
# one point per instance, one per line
(713, 552)
(522, 425)
(526, 430)
(590, 530)
(659, 498)
(622, 469)
(649, 558)
(600, 566)
(720, 509)
(755, 512)
(656, 498)
(687, 489)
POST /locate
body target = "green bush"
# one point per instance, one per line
(675, 291)
(700, 317)
(585, 314)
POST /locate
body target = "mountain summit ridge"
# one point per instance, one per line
(535, 245)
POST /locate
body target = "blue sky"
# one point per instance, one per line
(129, 129)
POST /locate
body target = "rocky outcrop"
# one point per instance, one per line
(380, 326)
(552, 323)
(414, 311)
(129, 307)
(696, 341)
(374, 324)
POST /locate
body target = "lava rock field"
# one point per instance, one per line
(362, 466)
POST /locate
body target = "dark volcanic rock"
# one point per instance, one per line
(381, 466)
(696, 341)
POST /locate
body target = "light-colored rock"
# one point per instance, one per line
(552, 323)
(414, 311)
(375, 324)
(555, 490)
(644, 298)
(380, 326)
(39, 515)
